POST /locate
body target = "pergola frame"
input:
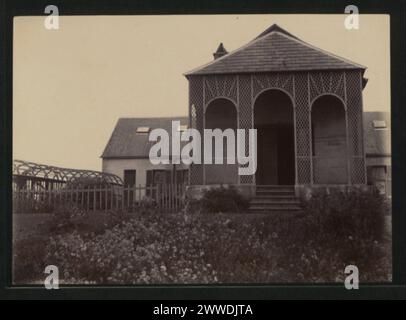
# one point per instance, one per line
(52, 177)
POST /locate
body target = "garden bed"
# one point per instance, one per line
(202, 248)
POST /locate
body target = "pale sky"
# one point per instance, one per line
(71, 85)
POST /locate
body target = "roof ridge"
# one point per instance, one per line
(273, 28)
(227, 55)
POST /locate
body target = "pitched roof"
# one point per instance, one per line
(274, 50)
(125, 142)
(377, 141)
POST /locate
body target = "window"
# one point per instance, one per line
(143, 129)
(182, 176)
(157, 177)
(129, 178)
(379, 124)
(129, 183)
(182, 128)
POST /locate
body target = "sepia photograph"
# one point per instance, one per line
(201, 149)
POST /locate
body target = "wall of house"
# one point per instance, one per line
(379, 174)
(117, 167)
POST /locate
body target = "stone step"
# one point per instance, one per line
(276, 197)
(266, 201)
(275, 188)
(275, 192)
(275, 208)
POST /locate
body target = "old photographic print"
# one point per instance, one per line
(201, 149)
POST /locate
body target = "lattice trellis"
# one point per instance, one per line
(357, 165)
(220, 86)
(303, 145)
(196, 105)
(193, 117)
(261, 82)
(245, 115)
(304, 88)
(326, 83)
(354, 114)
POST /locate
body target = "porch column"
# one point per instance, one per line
(353, 85)
(196, 122)
(245, 115)
(303, 146)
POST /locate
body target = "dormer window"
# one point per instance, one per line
(143, 129)
(379, 124)
(182, 128)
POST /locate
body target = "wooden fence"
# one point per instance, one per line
(163, 197)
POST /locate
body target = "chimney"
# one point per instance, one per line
(221, 51)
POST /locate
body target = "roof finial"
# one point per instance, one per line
(221, 51)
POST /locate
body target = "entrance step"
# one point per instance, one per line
(270, 199)
(274, 208)
(267, 201)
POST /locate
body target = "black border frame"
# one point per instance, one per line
(397, 11)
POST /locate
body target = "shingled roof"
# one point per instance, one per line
(275, 50)
(125, 142)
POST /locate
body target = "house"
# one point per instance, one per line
(377, 128)
(127, 153)
(306, 104)
(129, 158)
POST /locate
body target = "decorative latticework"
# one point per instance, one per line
(303, 131)
(355, 134)
(36, 171)
(358, 170)
(304, 88)
(261, 82)
(220, 86)
(245, 116)
(196, 104)
(221, 173)
(193, 117)
(321, 83)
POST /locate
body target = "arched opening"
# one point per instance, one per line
(221, 114)
(273, 119)
(329, 141)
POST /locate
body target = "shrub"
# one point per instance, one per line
(346, 227)
(206, 249)
(217, 200)
(68, 218)
(355, 214)
(334, 231)
(28, 259)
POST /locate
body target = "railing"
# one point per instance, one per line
(162, 197)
